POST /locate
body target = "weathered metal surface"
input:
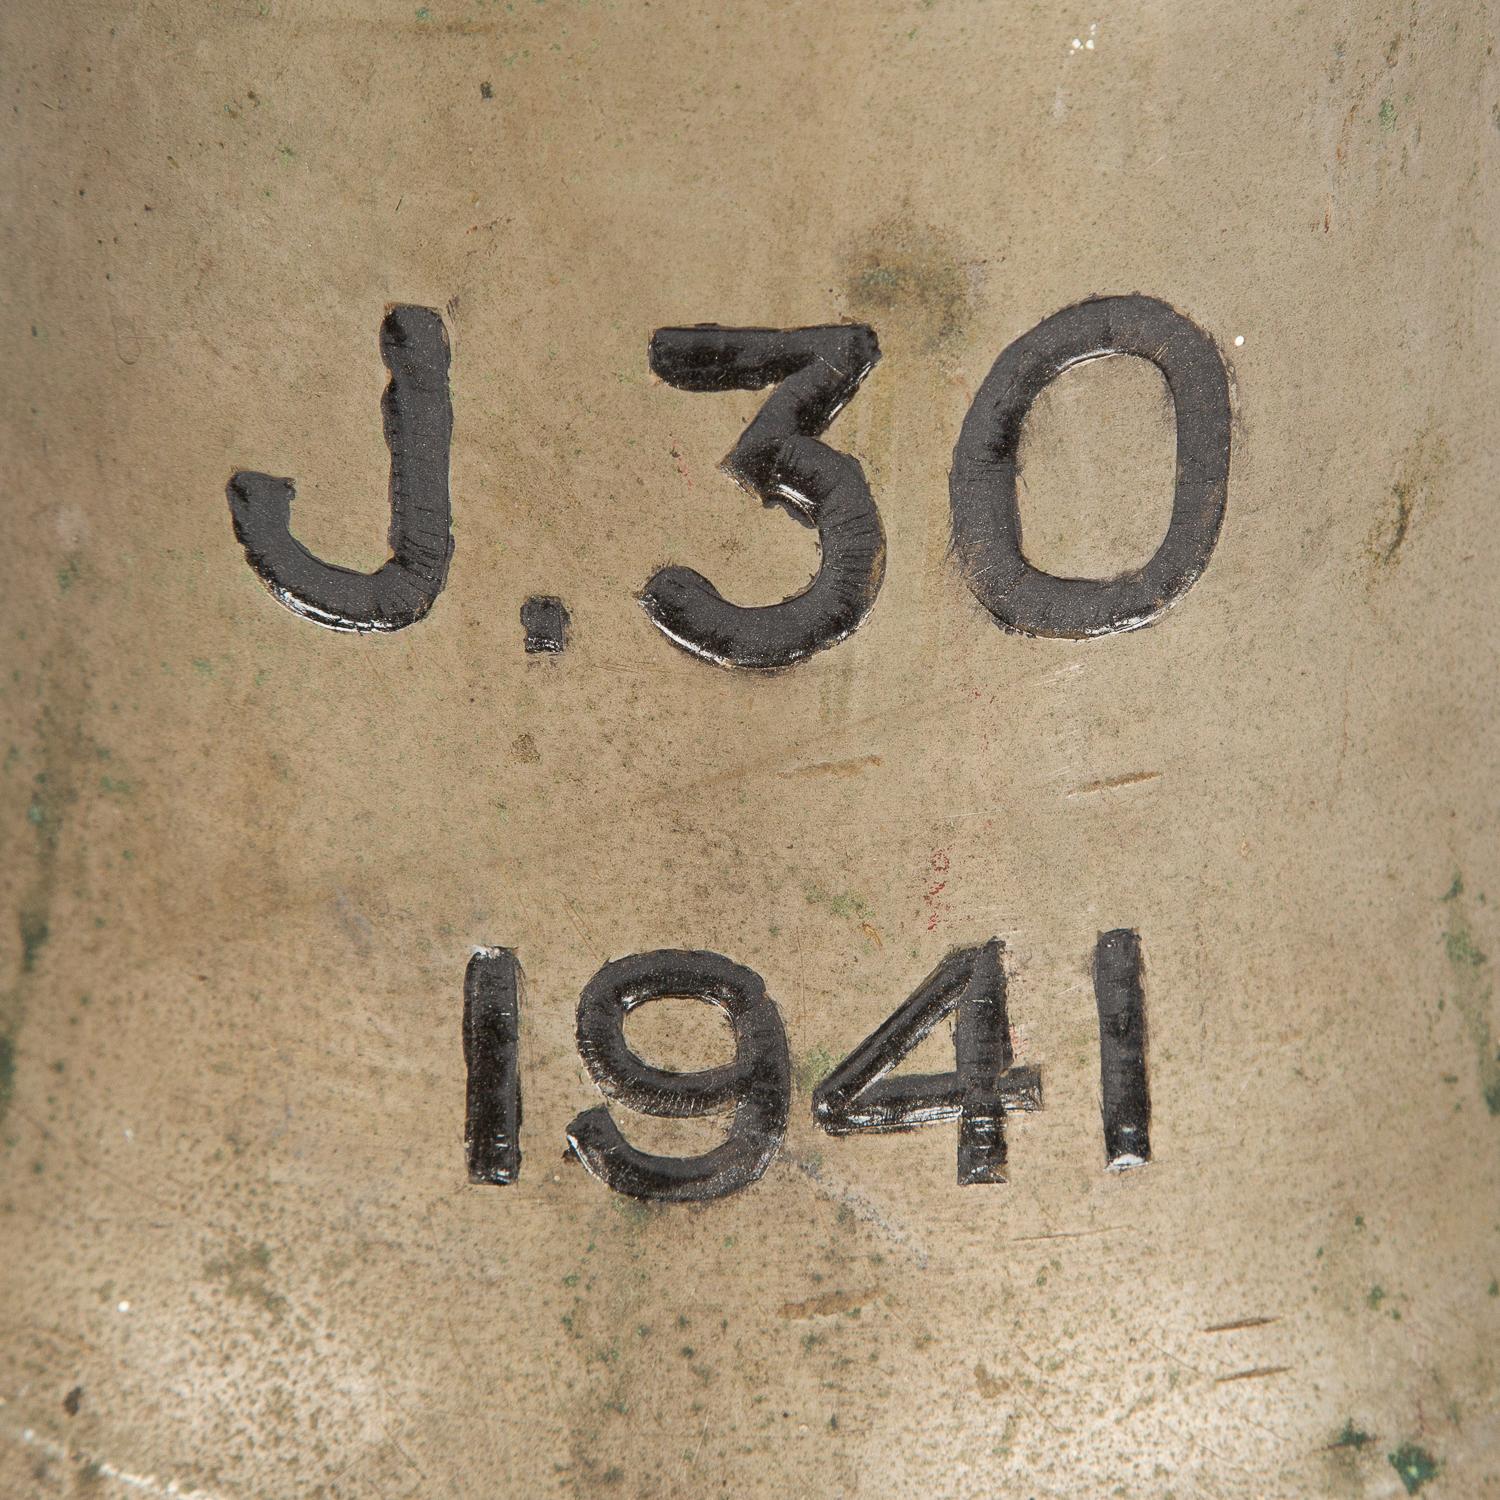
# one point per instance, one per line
(248, 859)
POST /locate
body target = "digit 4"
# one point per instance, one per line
(982, 1086)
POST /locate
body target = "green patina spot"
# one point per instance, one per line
(1352, 1436)
(1472, 992)
(812, 1068)
(1387, 115)
(1375, 1296)
(636, 1211)
(1414, 1465)
(7, 1073)
(1410, 493)
(61, 746)
(245, 1277)
(845, 905)
(1462, 948)
(34, 935)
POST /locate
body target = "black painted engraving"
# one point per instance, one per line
(779, 458)
(492, 1018)
(545, 621)
(756, 1084)
(982, 482)
(1121, 999)
(859, 1096)
(418, 426)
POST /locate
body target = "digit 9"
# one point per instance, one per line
(755, 1084)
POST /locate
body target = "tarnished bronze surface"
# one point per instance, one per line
(248, 859)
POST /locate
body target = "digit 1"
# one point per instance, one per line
(1120, 996)
(492, 1018)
